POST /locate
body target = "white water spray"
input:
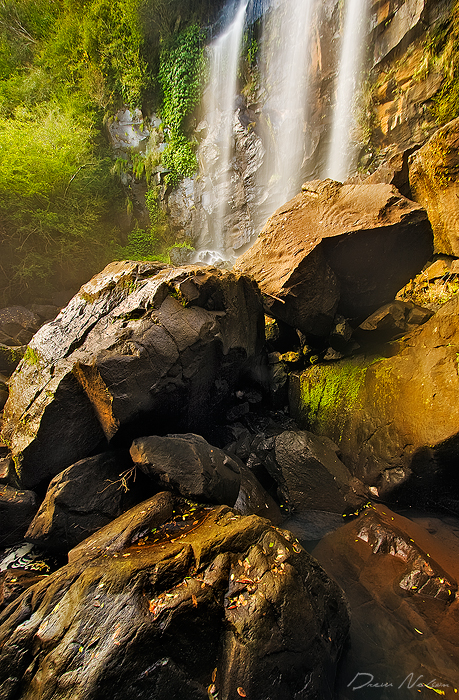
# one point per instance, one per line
(286, 61)
(217, 150)
(342, 153)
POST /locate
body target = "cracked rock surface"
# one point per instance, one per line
(173, 600)
(337, 248)
(140, 341)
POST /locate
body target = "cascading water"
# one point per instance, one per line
(216, 150)
(256, 150)
(342, 152)
(285, 64)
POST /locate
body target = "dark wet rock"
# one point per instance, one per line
(278, 379)
(17, 509)
(397, 629)
(19, 324)
(128, 529)
(253, 499)
(190, 466)
(392, 320)
(313, 476)
(80, 500)
(423, 575)
(13, 582)
(395, 419)
(337, 248)
(139, 344)
(157, 618)
(45, 312)
(311, 525)
(10, 357)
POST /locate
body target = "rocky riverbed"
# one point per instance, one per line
(203, 470)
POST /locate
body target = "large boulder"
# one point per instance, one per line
(313, 476)
(140, 343)
(337, 248)
(434, 181)
(395, 419)
(207, 604)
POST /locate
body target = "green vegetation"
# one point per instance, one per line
(430, 293)
(328, 392)
(65, 67)
(181, 74)
(446, 101)
(31, 356)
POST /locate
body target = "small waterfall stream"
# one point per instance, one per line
(341, 155)
(285, 65)
(216, 153)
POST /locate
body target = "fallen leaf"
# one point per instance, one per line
(241, 692)
(195, 600)
(214, 675)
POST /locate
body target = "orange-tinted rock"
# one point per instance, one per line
(395, 419)
(434, 181)
(334, 247)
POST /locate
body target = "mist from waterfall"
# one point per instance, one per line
(342, 152)
(219, 107)
(285, 63)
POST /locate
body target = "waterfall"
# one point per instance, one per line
(257, 149)
(342, 152)
(285, 65)
(216, 151)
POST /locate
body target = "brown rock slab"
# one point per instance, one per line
(434, 181)
(334, 247)
(210, 602)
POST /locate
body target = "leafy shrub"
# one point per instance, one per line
(53, 199)
(180, 75)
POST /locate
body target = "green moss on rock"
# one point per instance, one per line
(322, 397)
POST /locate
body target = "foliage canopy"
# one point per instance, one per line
(65, 65)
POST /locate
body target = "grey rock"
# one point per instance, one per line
(190, 466)
(139, 342)
(80, 500)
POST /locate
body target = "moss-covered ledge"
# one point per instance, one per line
(395, 419)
